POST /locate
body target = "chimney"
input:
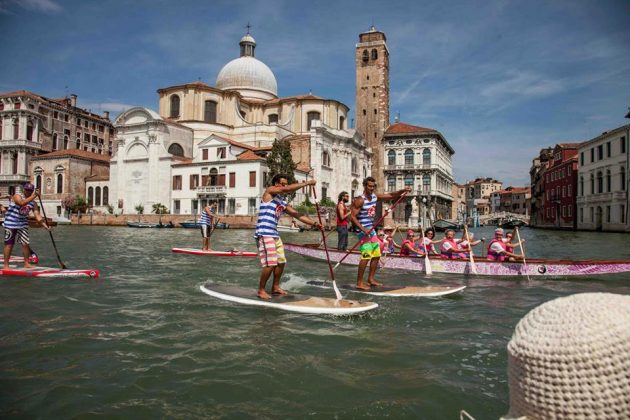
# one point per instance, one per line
(73, 100)
(106, 115)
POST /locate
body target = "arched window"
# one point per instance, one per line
(65, 142)
(342, 122)
(311, 116)
(426, 156)
(176, 150)
(426, 183)
(105, 196)
(78, 144)
(16, 129)
(90, 196)
(97, 196)
(391, 183)
(608, 181)
(592, 184)
(54, 145)
(581, 185)
(59, 183)
(366, 56)
(365, 172)
(214, 176)
(623, 179)
(29, 131)
(273, 118)
(355, 166)
(408, 157)
(391, 157)
(210, 112)
(600, 183)
(325, 158)
(374, 54)
(409, 180)
(174, 106)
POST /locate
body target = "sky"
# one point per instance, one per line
(499, 79)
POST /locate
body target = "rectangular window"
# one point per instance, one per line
(176, 206)
(581, 215)
(231, 206)
(607, 214)
(592, 154)
(622, 143)
(221, 180)
(600, 152)
(569, 211)
(562, 211)
(204, 180)
(221, 152)
(177, 182)
(232, 179)
(608, 149)
(194, 181)
(252, 178)
(251, 207)
(592, 214)
(582, 159)
(204, 154)
(564, 191)
(623, 214)
(569, 191)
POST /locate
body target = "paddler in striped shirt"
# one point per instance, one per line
(363, 213)
(16, 223)
(207, 222)
(270, 248)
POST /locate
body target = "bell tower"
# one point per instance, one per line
(372, 95)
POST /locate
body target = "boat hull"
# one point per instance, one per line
(534, 267)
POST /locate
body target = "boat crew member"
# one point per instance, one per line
(408, 248)
(270, 248)
(427, 246)
(363, 213)
(509, 246)
(465, 245)
(388, 240)
(206, 222)
(449, 248)
(16, 223)
(497, 249)
(342, 220)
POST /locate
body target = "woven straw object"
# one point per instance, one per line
(570, 359)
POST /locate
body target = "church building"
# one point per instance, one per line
(223, 134)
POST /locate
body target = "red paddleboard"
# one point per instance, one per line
(193, 251)
(48, 272)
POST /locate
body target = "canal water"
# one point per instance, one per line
(143, 341)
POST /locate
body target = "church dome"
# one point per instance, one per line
(248, 75)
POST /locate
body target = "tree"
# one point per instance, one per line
(139, 209)
(75, 203)
(280, 161)
(159, 208)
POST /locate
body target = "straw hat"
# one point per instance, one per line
(570, 358)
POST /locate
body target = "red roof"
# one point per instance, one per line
(402, 128)
(249, 155)
(74, 153)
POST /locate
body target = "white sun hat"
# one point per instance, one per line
(570, 359)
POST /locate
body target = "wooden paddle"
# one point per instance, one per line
(378, 222)
(520, 244)
(41, 205)
(321, 229)
(473, 267)
(427, 261)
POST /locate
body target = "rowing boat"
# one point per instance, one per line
(231, 253)
(533, 267)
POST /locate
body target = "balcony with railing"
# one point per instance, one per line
(211, 190)
(14, 178)
(20, 143)
(410, 166)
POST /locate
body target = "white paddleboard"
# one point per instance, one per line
(291, 302)
(386, 290)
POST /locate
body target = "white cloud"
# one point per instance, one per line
(44, 6)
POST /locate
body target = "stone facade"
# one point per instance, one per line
(560, 187)
(63, 173)
(422, 159)
(537, 183)
(372, 94)
(478, 194)
(603, 198)
(32, 124)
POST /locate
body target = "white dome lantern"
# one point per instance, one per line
(248, 75)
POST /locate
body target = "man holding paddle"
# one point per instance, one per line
(207, 223)
(270, 248)
(16, 223)
(362, 213)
